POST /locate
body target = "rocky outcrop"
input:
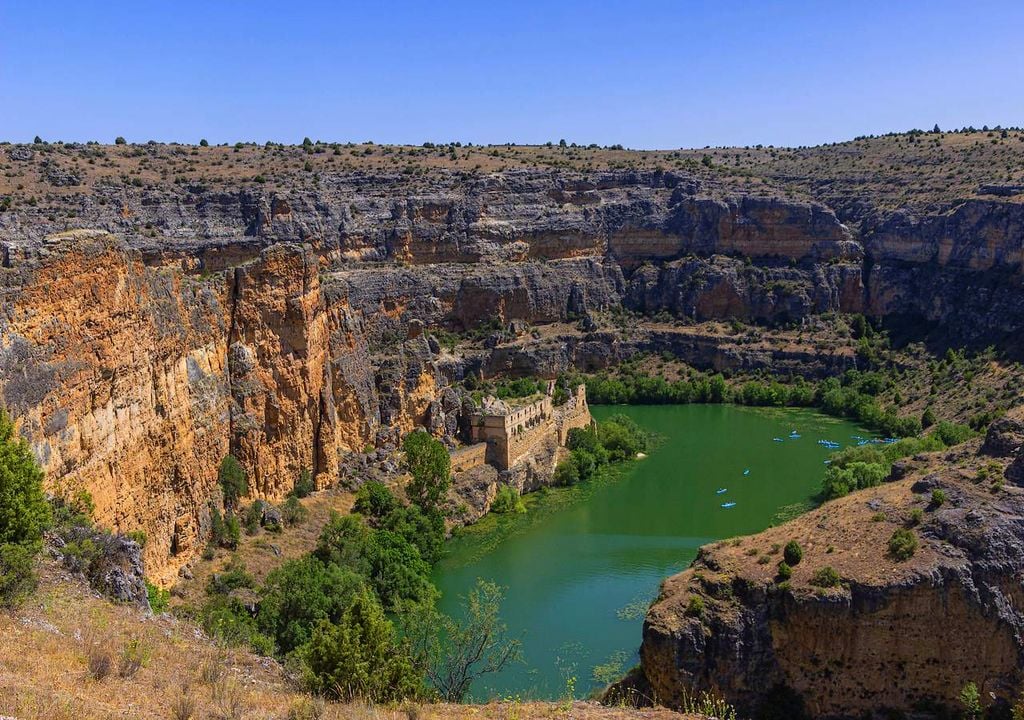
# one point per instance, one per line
(892, 636)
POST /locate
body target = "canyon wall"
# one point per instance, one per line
(292, 325)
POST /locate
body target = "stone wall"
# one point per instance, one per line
(468, 457)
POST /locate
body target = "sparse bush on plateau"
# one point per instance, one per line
(902, 544)
(792, 553)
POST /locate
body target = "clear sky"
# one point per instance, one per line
(645, 74)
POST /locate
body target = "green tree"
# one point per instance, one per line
(301, 593)
(119, 140)
(24, 512)
(903, 544)
(233, 482)
(454, 653)
(374, 500)
(718, 387)
(430, 466)
(204, 143)
(970, 698)
(360, 657)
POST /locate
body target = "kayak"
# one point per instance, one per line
(728, 504)
(719, 491)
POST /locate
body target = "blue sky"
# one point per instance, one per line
(644, 74)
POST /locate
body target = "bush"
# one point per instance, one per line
(359, 657)
(232, 532)
(233, 577)
(938, 497)
(159, 599)
(916, 516)
(424, 529)
(826, 577)
(507, 501)
(374, 500)
(227, 619)
(300, 594)
(304, 486)
(792, 553)
(24, 512)
(567, 473)
(253, 518)
(695, 606)
(785, 572)
(293, 512)
(902, 544)
(119, 140)
(233, 482)
(17, 578)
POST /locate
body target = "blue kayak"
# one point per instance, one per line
(719, 491)
(778, 440)
(728, 504)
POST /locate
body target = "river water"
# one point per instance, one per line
(582, 565)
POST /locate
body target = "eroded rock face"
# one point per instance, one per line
(275, 324)
(894, 635)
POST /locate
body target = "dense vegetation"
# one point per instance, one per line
(858, 467)
(616, 439)
(357, 615)
(853, 395)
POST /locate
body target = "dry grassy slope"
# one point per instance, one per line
(889, 171)
(44, 671)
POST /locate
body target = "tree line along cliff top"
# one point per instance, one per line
(922, 171)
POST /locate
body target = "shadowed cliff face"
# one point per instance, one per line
(279, 325)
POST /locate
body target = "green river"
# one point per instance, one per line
(582, 565)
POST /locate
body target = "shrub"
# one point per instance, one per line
(293, 512)
(226, 618)
(567, 473)
(785, 572)
(17, 578)
(159, 599)
(695, 606)
(233, 577)
(507, 501)
(374, 500)
(134, 656)
(938, 497)
(902, 544)
(253, 518)
(916, 516)
(24, 512)
(232, 532)
(304, 486)
(430, 466)
(792, 553)
(970, 698)
(204, 143)
(424, 529)
(119, 140)
(138, 537)
(233, 482)
(99, 661)
(826, 577)
(359, 657)
(301, 593)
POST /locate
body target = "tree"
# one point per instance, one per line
(204, 143)
(232, 479)
(119, 140)
(461, 652)
(374, 500)
(718, 388)
(359, 657)
(301, 593)
(24, 512)
(430, 466)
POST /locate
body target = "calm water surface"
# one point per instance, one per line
(581, 567)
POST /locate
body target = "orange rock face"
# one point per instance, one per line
(132, 382)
